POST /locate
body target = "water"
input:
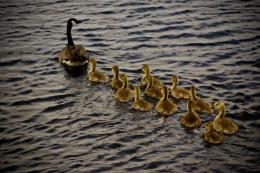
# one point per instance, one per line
(52, 121)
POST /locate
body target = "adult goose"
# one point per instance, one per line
(73, 55)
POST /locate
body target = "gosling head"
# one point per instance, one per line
(193, 88)
(145, 68)
(92, 61)
(174, 79)
(115, 70)
(123, 78)
(219, 105)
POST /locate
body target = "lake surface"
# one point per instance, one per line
(53, 121)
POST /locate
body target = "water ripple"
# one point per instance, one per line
(55, 121)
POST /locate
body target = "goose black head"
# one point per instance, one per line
(74, 21)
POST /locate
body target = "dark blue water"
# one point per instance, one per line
(52, 121)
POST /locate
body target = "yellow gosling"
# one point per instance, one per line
(139, 103)
(95, 75)
(116, 83)
(73, 55)
(212, 136)
(191, 119)
(179, 93)
(151, 90)
(221, 123)
(198, 104)
(146, 70)
(164, 106)
(124, 94)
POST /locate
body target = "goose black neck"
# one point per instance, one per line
(69, 37)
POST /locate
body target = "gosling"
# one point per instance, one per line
(95, 75)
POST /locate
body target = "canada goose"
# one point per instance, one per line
(146, 70)
(116, 83)
(95, 75)
(73, 55)
(151, 90)
(198, 104)
(124, 94)
(139, 103)
(221, 123)
(191, 119)
(212, 136)
(164, 106)
(179, 93)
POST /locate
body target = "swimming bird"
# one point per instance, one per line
(198, 104)
(73, 55)
(211, 135)
(179, 93)
(151, 90)
(116, 83)
(139, 103)
(221, 123)
(124, 94)
(164, 106)
(146, 70)
(191, 119)
(95, 75)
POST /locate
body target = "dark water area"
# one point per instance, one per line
(52, 121)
